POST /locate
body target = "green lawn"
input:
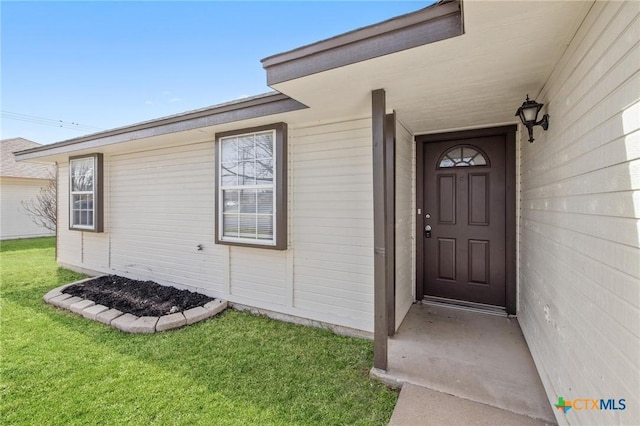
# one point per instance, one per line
(58, 368)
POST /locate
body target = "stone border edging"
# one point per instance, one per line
(127, 322)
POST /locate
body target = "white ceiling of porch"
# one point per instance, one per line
(509, 49)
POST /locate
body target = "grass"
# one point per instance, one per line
(58, 368)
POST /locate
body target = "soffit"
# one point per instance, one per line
(481, 77)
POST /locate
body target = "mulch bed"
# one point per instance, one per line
(141, 298)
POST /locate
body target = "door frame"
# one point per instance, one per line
(509, 132)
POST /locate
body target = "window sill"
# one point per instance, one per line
(268, 246)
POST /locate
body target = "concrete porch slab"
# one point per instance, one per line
(475, 356)
(421, 406)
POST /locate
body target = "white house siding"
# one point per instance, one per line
(159, 206)
(15, 222)
(580, 270)
(405, 221)
(331, 232)
(258, 276)
(161, 209)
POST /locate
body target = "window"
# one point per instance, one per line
(462, 156)
(251, 187)
(85, 193)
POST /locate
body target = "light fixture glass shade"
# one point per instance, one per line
(529, 113)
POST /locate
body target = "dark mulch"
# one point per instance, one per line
(141, 298)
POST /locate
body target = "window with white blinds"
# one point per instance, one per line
(85, 175)
(248, 187)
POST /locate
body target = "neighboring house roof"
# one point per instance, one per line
(9, 167)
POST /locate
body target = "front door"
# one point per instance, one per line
(464, 219)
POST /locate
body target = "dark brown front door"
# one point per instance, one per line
(464, 219)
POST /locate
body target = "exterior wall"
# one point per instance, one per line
(15, 222)
(159, 206)
(579, 245)
(405, 222)
(331, 232)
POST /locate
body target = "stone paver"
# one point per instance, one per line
(77, 308)
(92, 311)
(59, 290)
(66, 304)
(57, 300)
(50, 295)
(216, 306)
(197, 314)
(107, 317)
(144, 325)
(127, 322)
(124, 322)
(168, 322)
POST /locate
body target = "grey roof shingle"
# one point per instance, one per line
(9, 167)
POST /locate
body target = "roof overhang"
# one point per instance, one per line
(434, 23)
(165, 130)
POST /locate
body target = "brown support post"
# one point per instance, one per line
(378, 125)
(390, 206)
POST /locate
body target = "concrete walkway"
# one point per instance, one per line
(474, 364)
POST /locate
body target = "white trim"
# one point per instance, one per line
(273, 186)
(93, 194)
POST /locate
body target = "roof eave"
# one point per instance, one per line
(437, 22)
(254, 107)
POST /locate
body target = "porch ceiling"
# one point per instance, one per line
(509, 49)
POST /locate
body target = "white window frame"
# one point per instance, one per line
(96, 193)
(278, 240)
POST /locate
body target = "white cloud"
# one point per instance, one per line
(148, 103)
(172, 100)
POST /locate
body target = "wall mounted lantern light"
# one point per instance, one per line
(528, 113)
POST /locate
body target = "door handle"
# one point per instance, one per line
(427, 231)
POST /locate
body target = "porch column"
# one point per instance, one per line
(380, 235)
(390, 224)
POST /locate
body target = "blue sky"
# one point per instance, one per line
(109, 64)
